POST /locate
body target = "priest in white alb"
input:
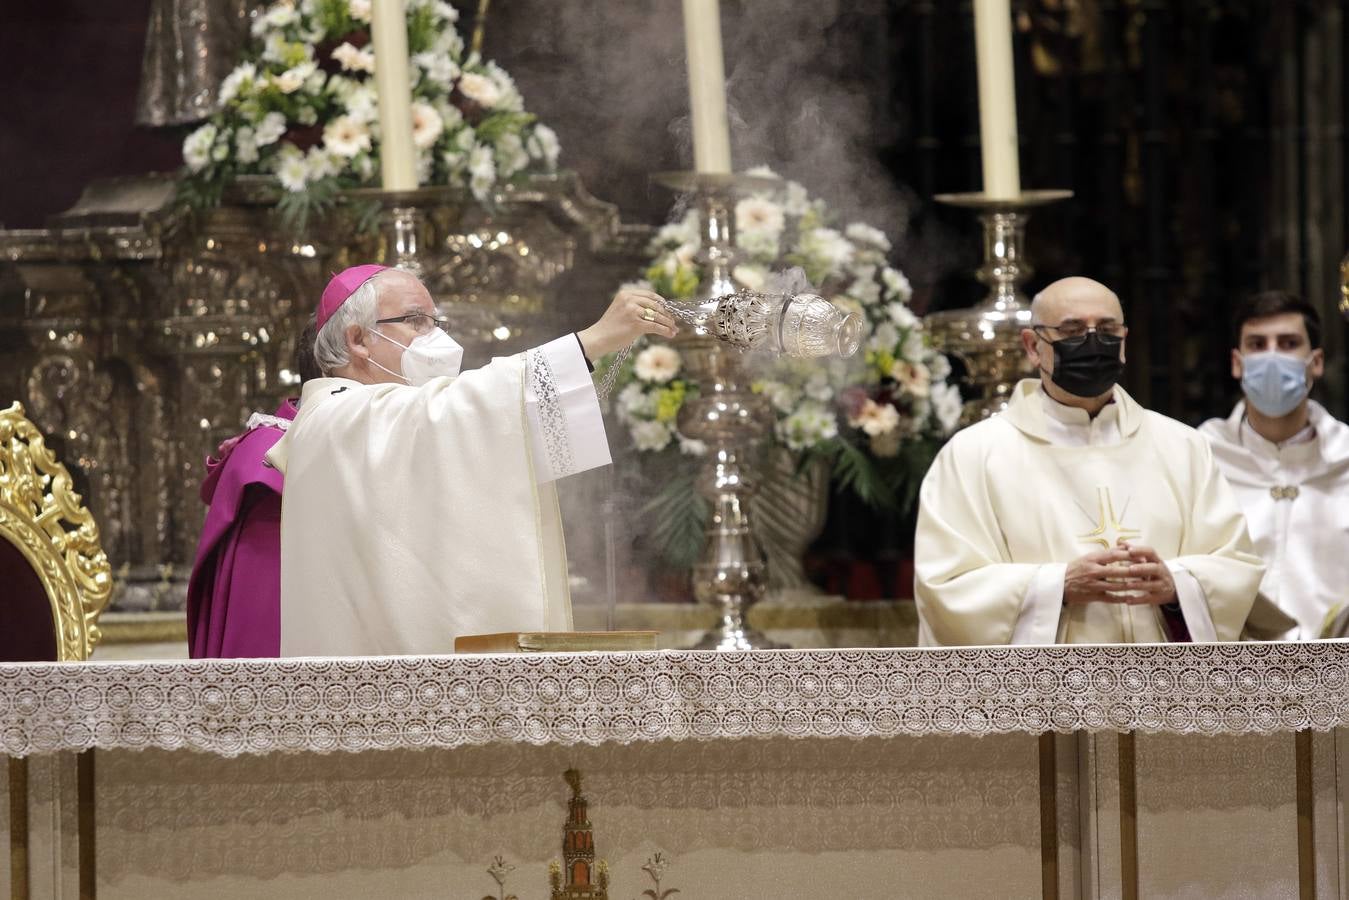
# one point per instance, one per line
(418, 502)
(1077, 516)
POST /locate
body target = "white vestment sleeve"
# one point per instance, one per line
(1038, 621)
(563, 412)
(1193, 604)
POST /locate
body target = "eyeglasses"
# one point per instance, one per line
(422, 323)
(1074, 333)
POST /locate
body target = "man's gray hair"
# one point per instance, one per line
(361, 308)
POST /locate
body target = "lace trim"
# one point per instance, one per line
(260, 420)
(556, 441)
(229, 707)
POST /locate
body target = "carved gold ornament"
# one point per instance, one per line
(43, 516)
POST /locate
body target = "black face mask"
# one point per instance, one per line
(1087, 366)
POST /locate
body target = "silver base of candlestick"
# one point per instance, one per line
(987, 337)
(732, 573)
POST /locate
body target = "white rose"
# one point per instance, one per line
(291, 169)
(354, 60)
(901, 315)
(291, 80)
(884, 338)
(510, 95)
(543, 145)
(280, 15)
(439, 68)
(197, 147)
(876, 418)
(946, 404)
(480, 89)
(359, 10)
(510, 154)
(444, 11)
(808, 426)
(829, 247)
(236, 81)
(346, 136)
(650, 436)
(672, 234)
(363, 103)
(322, 163)
(784, 397)
(912, 377)
(270, 129)
(862, 233)
(427, 125)
(752, 277)
(657, 364)
(759, 215)
(634, 402)
(246, 146)
(865, 290)
(913, 346)
(939, 366)
(896, 284)
(797, 199)
(482, 172)
(819, 388)
(691, 447)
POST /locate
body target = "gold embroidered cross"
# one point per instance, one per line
(1108, 532)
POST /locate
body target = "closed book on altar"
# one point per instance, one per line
(555, 641)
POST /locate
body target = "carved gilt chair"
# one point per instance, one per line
(54, 576)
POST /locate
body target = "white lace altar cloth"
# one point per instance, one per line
(229, 707)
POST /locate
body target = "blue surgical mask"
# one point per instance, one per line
(1274, 383)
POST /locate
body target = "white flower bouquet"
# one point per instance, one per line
(301, 106)
(877, 418)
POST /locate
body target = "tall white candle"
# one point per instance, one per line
(997, 99)
(707, 86)
(388, 33)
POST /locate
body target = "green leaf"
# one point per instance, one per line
(679, 515)
(491, 128)
(856, 471)
(296, 209)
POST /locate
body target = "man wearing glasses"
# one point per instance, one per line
(1077, 516)
(418, 503)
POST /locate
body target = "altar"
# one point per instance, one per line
(1091, 771)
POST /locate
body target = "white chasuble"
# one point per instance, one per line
(1010, 501)
(412, 515)
(1296, 499)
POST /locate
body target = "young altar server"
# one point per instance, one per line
(234, 591)
(1288, 461)
(419, 503)
(1078, 516)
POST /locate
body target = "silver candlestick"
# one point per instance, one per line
(732, 573)
(987, 337)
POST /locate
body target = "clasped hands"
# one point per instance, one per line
(1127, 573)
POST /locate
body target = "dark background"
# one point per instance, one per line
(1204, 143)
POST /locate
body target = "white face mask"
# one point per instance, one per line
(431, 355)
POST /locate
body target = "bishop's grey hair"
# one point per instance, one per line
(330, 346)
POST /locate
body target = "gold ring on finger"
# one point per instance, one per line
(648, 314)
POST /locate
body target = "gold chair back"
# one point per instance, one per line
(45, 521)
